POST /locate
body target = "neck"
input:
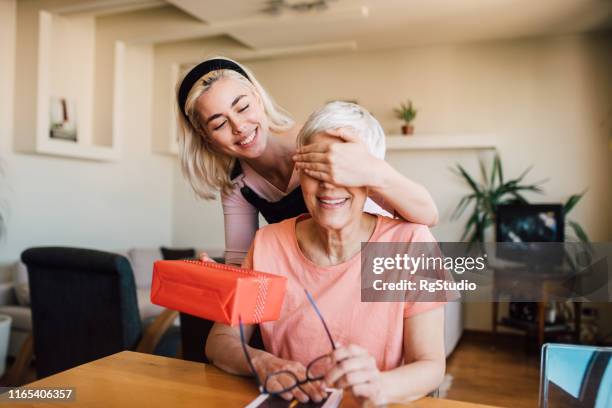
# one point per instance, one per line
(327, 247)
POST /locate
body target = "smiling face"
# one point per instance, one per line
(234, 118)
(331, 207)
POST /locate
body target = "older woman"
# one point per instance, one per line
(390, 352)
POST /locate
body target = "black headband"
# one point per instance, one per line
(199, 71)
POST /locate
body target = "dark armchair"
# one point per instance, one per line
(84, 307)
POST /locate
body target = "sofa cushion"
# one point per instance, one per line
(22, 287)
(21, 315)
(173, 254)
(146, 308)
(142, 264)
(7, 293)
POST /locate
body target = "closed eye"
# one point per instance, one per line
(221, 125)
(225, 121)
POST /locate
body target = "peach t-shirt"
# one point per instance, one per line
(299, 335)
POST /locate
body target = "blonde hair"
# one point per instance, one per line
(206, 169)
(345, 115)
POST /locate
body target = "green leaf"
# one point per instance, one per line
(523, 174)
(458, 209)
(582, 236)
(469, 224)
(532, 187)
(483, 172)
(468, 178)
(406, 112)
(572, 201)
(463, 203)
(500, 173)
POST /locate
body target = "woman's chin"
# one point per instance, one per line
(331, 222)
(251, 153)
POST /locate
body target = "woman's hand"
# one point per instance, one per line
(204, 257)
(267, 363)
(346, 164)
(356, 369)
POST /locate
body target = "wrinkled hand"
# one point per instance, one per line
(356, 370)
(347, 164)
(269, 364)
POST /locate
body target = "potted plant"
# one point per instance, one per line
(492, 191)
(407, 113)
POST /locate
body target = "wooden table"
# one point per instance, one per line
(130, 379)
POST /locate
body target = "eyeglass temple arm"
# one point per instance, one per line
(314, 305)
(247, 356)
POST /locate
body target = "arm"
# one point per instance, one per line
(397, 193)
(343, 164)
(424, 350)
(224, 349)
(422, 372)
(241, 221)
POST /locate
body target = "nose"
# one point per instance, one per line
(238, 125)
(326, 185)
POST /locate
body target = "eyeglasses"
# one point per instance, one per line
(315, 370)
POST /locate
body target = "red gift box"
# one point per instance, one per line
(218, 292)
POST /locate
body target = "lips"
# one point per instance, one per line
(332, 202)
(249, 139)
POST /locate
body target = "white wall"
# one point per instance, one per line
(56, 201)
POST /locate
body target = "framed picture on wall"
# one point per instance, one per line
(63, 123)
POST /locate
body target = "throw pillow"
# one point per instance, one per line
(172, 254)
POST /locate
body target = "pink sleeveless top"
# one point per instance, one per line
(299, 335)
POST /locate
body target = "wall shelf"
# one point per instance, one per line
(65, 57)
(441, 142)
(73, 150)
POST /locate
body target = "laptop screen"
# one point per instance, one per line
(573, 376)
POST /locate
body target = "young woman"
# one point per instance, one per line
(237, 141)
(390, 351)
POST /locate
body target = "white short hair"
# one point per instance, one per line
(345, 115)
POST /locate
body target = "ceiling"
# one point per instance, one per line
(363, 24)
